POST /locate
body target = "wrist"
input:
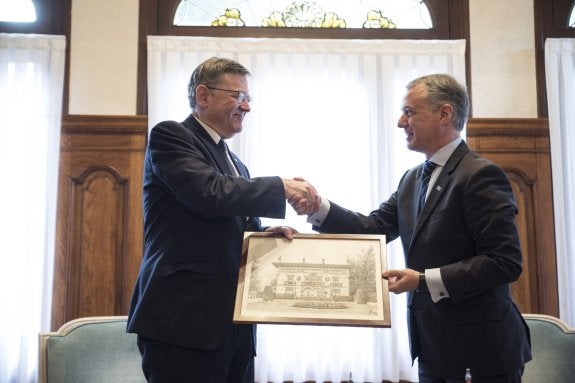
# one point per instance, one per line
(422, 286)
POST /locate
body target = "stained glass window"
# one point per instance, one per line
(17, 11)
(386, 14)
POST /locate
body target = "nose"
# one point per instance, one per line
(245, 106)
(402, 122)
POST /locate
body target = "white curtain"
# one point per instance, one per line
(31, 85)
(325, 110)
(560, 79)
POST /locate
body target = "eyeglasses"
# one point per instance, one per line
(240, 96)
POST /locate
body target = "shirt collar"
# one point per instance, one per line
(442, 155)
(213, 134)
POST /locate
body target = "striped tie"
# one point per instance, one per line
(428, 167)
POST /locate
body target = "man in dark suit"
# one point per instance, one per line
(461, 247)
(198, 200)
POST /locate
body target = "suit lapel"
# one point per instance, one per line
(439, 187)
(215, 155)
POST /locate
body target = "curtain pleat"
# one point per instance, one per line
(560, 80)
(31, 88)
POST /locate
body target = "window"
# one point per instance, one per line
(27, 16)
(556, 70)
(443, 20)
(382, 14)
(31, 78)
(554, 18)
(448, 20)
(18, 11)
(345, 96)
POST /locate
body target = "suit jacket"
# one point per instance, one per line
(194, 219)
(467, 229)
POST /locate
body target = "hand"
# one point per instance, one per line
(301, 205)
(286, 231)
(301, 195)
(401, 281)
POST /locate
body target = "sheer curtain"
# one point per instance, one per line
(560, 79)
(325, 110)
(32, 79)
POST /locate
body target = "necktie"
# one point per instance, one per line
(428, 167)
(224, 150)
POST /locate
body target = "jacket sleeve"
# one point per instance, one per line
(489, 212)
(182, 162)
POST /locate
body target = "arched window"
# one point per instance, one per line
(325, 87)
(553, 18)
(382, 14)
(18, 11)
(557, 49)
(438, 20)
(28, 16)
(417, 19)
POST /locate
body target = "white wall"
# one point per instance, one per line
(502, 40)
(103, 57)
(104, 44)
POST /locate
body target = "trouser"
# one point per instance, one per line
(232, 362)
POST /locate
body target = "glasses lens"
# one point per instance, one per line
(240, 96)
(243, 97)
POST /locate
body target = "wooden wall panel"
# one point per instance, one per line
(99, 224)
(99, 230)
(521, 147)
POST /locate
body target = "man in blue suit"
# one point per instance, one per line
(460, 242)
(198, 200)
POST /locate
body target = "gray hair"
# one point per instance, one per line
(210, 72)
(444, 89)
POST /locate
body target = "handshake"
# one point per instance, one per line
(301, 195)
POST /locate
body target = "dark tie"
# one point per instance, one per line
(428, 167)
(224, 149)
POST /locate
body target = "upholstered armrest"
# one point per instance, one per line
(553, 349)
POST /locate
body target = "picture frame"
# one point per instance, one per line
(313, 279)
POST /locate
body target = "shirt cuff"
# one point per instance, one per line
(318, 217)
(435, 285)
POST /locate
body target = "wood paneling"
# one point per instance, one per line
(521, 147)
(99, 237)
(99, 227)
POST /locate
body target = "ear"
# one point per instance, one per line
(446, 113)
(202, 95)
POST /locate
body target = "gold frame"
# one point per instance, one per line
(307, 280)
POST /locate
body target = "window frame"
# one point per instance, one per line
(156, 18)
(53, 17)
(551, 20)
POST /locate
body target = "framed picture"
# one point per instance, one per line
(314, 279)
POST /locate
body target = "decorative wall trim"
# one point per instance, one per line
(529, 127)
(95, 124)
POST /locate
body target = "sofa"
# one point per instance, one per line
(98, 350)
(553, 350)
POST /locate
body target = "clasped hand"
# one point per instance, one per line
(302, 196)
